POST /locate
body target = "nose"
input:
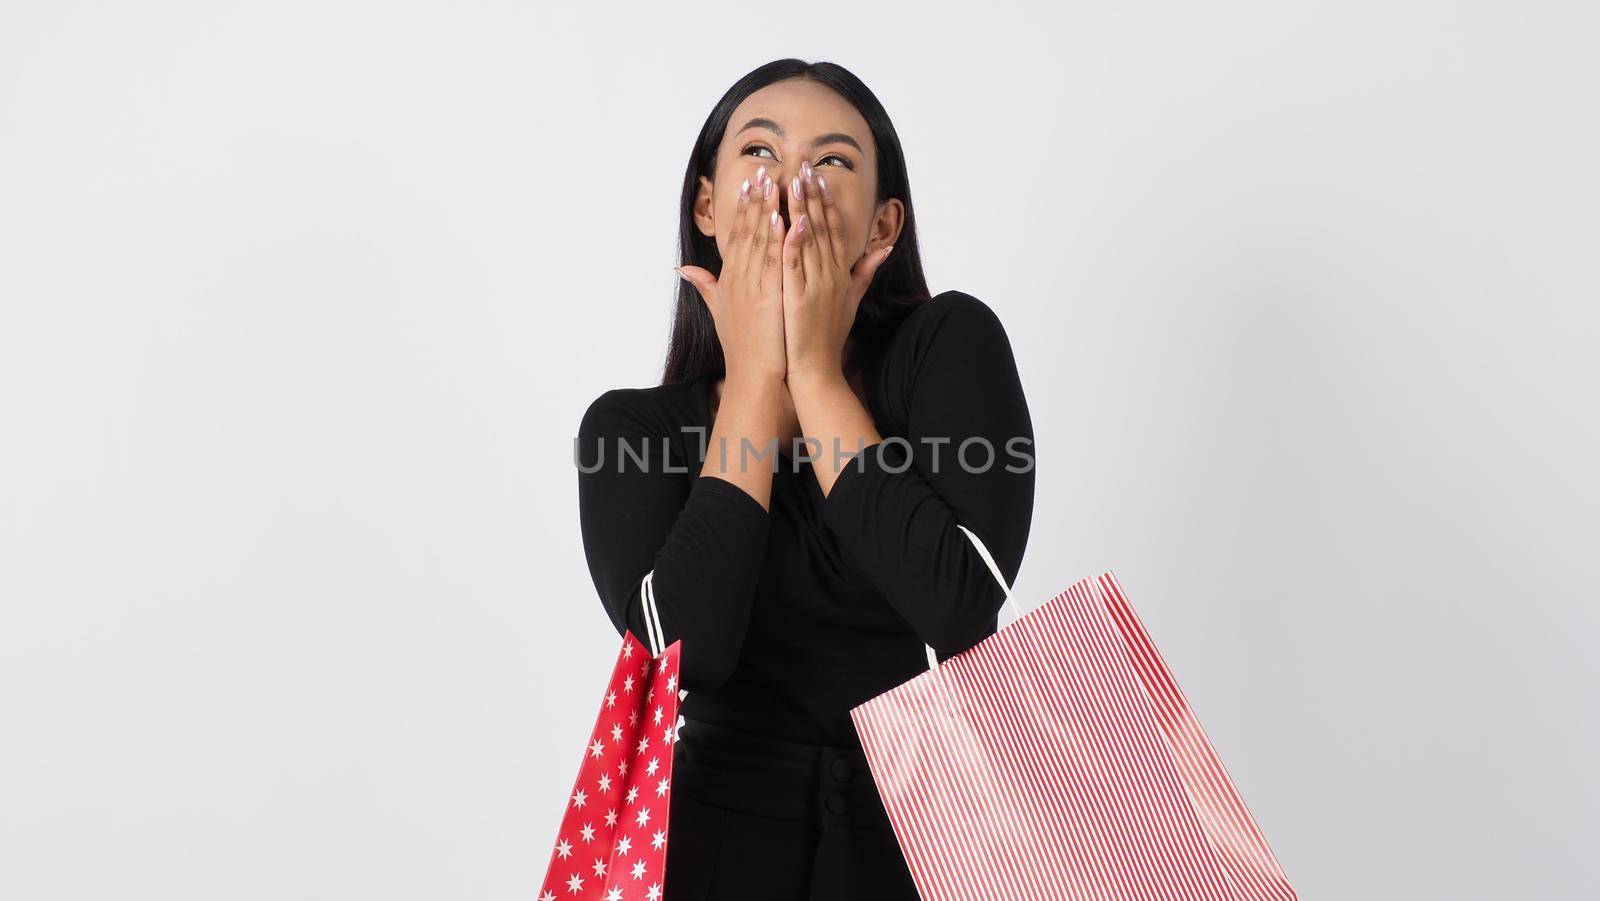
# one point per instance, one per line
(782, 184)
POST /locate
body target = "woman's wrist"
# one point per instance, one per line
(752, 377)
(815, 379)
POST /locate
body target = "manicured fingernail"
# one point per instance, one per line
(805, 170)
(775, 217)
(823, 184)
(744, 190)
(766, 189)
(795, 189)
(801, 225)
(761, 174)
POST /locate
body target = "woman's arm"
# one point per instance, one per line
(702, 531)
(842, 425)
(743, 445)
(896, 508)
(703, 536)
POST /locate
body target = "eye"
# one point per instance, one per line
(752, 148)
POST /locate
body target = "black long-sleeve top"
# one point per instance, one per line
(791, 617)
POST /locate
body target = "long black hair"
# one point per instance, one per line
(693, 351)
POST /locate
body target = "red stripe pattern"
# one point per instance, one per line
(1059, 759)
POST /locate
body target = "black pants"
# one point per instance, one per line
(759, 818)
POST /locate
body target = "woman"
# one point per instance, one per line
(807, 579)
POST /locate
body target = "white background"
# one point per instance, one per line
(302, 303)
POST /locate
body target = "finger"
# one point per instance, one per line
(734, 259)
(702, 280)
(810, 254)
(816, 217)
(835, 235)
(802, 224)
(771, 275)
(760, 225)
(755, 222)
(794, 276)
(868, 266)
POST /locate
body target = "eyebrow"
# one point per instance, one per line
(832, 137)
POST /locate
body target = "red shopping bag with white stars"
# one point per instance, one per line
(613, 840)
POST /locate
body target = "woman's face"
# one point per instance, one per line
(779, 126)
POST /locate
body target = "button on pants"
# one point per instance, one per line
(761, 818)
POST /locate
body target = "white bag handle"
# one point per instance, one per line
(657, 637)
(652, 617)
(652, 625)
(994, 569)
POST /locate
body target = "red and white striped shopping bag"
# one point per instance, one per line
(1059, 759)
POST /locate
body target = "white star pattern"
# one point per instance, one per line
(626, 853)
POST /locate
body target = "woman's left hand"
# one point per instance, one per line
(822, 283)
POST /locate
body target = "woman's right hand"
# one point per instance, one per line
(746, 297)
